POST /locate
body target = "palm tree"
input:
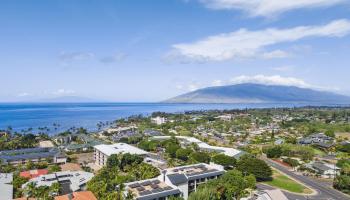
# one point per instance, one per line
(54, 189)
(29, 190)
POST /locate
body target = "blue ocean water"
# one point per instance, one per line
(33, 115)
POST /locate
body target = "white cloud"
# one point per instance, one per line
(193, 87)
(75, 56)
(283, 68)
(267, 8)
(247, 44)
(217, 83)
(116, 57)
(276, 80)
(257, 79)
(275, 54)
(24, 94)
(63, 92)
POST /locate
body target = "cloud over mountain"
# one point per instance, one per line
(249, 44)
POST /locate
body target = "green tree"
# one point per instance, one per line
(250, 165)
(129, 159)
(54, 168)
(201, 157)
(54, 189)
(274, 152)
(171, 149)
(227, 161)
(183, 154)
(330, 133)
(342, 183)
(113, 161)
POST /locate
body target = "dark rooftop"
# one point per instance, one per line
(177, 179)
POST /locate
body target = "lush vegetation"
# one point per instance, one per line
(232, 185)
(251, 165)
(42, 192)
(306, 153)
(342, 181)
(108, 183)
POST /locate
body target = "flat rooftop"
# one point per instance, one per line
(191, 172)
(151, 189)
(118, 148)
(69, 180)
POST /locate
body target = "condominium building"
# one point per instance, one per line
(185, 140)
(22, 156)
(178, 181)
(103, 151)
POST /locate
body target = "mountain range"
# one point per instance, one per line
(259, 93)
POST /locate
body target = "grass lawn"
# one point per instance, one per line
(319, 152)
(283, 182)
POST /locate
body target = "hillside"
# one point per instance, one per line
(257, 93)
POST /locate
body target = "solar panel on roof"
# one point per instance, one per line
(156, 182)
(145, 192)
(154, 186)
(156, 190)
(135, 185)
(146, 183)
(140, 188)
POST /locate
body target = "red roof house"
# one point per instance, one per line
(33, 173)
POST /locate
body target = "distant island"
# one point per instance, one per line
(259, 93)
(68, 99)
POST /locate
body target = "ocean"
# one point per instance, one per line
(22, 116)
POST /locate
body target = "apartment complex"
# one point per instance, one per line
(22, 156)
(103, 151)
(178, 181)
(204, 146)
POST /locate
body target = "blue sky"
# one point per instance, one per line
(151, 50)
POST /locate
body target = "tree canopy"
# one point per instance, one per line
(251, 165)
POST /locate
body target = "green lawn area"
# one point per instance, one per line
(319, 152)
(283, 182)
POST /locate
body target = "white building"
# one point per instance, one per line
(226, 117)
(159, 120)
(103, 151)
(6, 188)
(70, 181)
(204, 146)
(178, 181)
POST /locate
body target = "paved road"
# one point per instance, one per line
(324, 192)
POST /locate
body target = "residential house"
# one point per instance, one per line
(70, 181)
(159, 120)
(151, 133)
(319, 139)
(326, 170)
(83, 195)
(33, 173)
